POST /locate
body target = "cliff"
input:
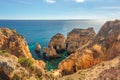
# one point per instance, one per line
(78, 37)
(104, 46)
(58, 43)
(16, 61)
(13, 42)
(107, 70)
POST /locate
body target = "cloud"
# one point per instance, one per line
(79, 1)
(50, 1)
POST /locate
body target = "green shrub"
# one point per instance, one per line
(3, 52)
(26, 62)
(38, 78)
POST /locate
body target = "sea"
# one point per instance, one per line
(42, 31)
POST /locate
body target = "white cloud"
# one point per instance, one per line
(50, 1)
(79, 1)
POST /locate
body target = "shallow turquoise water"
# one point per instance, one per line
(53, 64)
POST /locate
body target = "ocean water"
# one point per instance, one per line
(42, 31)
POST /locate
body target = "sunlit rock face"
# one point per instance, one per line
(50, 53)
(104, 46)
(38, 48)
(77, 38)
(106, 70)
(16, 45)
(13, 42)
(58, 43)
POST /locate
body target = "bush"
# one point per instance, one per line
(25, 61)
(3, 52)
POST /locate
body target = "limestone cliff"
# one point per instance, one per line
(13, 42)
(58, 43)
(77, 38)
(104, 46)
(16, 47)
(107, 70)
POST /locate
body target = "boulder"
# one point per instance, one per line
(58, 43)
(38, 47)
(77, 38)
(50, 53)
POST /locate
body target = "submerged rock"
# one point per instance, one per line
(38, 48)
(78, 37)
(58, 43)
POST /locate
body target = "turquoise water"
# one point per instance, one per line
(42, 30)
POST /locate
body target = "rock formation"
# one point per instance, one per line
(107, 70)
(77, 38)
(38, 47)
(16, 47)
(50, 53)
(104, 46)
(14, 68)
(67, 65)
(58, 43)
(11, 41)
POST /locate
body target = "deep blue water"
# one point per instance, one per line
(42, 30)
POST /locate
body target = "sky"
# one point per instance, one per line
(59, 9)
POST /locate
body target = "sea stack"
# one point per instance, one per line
(38, 47)
(58, 43)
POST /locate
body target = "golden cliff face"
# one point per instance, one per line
(104, 46)
(13, 42)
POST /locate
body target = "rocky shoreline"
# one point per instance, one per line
(91, 56)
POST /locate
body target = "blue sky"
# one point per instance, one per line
(59, 9)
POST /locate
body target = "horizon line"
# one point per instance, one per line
(49, 19)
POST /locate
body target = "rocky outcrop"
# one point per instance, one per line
(104, 46)
(38, 47)
(78, 37)
(107, 70)
(58, 43)
(67, 66)
(11, 41)
(11, 68)
(50, 53)
(15, 44)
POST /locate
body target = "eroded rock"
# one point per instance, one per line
(104, 46)
(78, 37)
(11, 41)
(50, 53)
(58, 43)
(38, 48)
